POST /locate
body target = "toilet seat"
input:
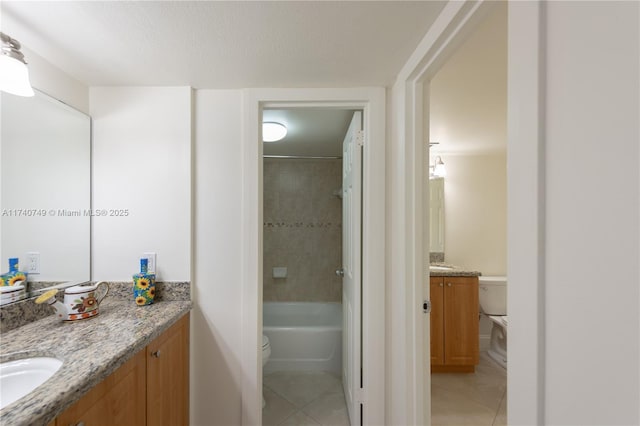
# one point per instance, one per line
(501, 320)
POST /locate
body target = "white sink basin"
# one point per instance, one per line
(19, 377)
(440, 268)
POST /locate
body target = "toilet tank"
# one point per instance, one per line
(493, 295)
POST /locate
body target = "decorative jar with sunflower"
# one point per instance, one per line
(14, 276)
(144, 285)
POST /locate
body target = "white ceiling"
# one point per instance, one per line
(310, 131)
(223, 44)
(230, 44)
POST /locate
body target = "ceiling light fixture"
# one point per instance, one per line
(273, 132)
(14, 74)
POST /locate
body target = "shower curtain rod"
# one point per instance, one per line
(302, 157)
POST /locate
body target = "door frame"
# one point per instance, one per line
(525, 176)
(372, 103)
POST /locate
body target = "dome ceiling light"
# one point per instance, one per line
(273, 132)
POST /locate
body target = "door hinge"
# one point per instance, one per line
(359, 395)
(426, 306)
(360, 138)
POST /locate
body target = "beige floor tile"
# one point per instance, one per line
(329, 409)
(450, 408)
(299, 419)
(469, 399)
(277, 408)
(300, 388)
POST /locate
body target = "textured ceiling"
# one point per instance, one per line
(213, 44)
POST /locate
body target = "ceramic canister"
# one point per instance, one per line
(82, 301)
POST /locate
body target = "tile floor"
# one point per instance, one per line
(301, 398)
(478, 399)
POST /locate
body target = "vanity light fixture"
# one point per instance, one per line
(438, 168)
(273, 132)
(14, 74)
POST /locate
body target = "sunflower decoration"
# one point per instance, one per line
(143, 288)
(143, 283)
(17, 278)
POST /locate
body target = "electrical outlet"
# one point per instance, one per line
(151, 261)
(33, 262)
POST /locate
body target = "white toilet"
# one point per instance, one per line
(493, 302)
(266, 352)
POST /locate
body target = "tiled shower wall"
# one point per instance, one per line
(302, 230)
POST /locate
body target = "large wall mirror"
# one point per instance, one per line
(45, 187)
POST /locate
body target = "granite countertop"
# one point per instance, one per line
(447, 270)
(90, 349)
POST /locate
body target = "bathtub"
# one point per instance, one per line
(303, 336)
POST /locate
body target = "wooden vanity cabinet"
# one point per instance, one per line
(168, 377)
(120, 399)
(152, 388)
(454, 324)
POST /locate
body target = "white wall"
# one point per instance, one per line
(592, 213)
(142, 165)
(51, 80)
(216, 341)
(475, 192)
(468, 117)
(468, 95)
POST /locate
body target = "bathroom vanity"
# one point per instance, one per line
(129, 365)
(454, 320)
(156, 378)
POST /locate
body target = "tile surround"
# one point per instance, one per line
(302, 229)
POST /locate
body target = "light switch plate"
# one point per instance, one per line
(151, 261)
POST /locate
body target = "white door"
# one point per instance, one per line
(351, 264)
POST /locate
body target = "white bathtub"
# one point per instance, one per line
(303, 336)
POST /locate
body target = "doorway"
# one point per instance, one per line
(467, 115)
(305, 314)
(371, 102)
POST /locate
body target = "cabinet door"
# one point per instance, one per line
(118, 400)
(437, 320)
(168, 376)
(461, 335)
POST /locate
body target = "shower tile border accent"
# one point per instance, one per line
(301, 225)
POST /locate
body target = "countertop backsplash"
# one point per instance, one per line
(17, 314)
